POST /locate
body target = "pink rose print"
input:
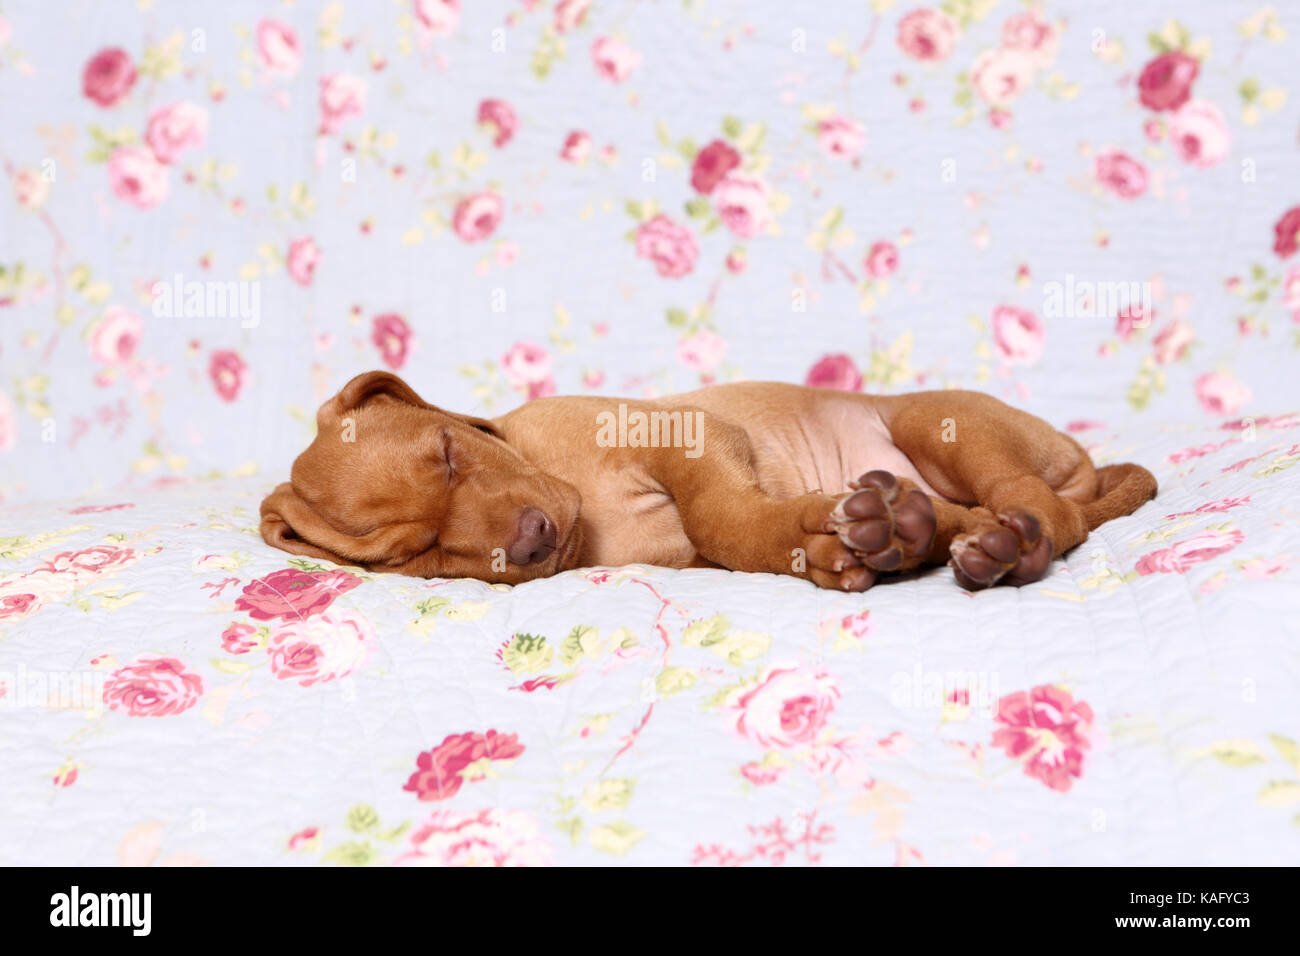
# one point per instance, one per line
(1182, 556)
(392, 336)
(835, 371)
(108, 77)
(441, 771)
(478, 838)
(671, 247)
(1172, 342)
(438, 17)
(841, 137)
(614, 59)
(1199, 133)
(137, 177)
(174, 129)
(1029, 33)
(882, 260)
(1261, 569)
(760, 775)
(570, 14)
(30, 188)
(341, 97)
(1018, 334)
(712, 163)
(153, 687)
(499, 117)
(115, 337)
(1047, 730)
(322, 648)
(477, 216)
(788, 706)
(742, 204)
(228, 373)
(304, 839)
(1166, 82)
(101, 559)
(1120, 173)
(1291, 289)
(26, 594)
(291, 594)
(239, 638)
(1001, 75)
(577, 147)
(1221, 394)
(278, 48)
(302, 259)
(1287, 233)
(926, 35)
(701, 352)
(527, 367)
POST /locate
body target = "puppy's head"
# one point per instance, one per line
(392, 483)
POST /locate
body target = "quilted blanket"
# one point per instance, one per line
(174, 691)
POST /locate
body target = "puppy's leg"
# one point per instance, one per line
(1035, 491)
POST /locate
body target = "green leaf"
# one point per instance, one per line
(1288, 748)
(362, 818)
(527, 653)
(1236, 753)
(1280, 793)
(732, 127)
(351, 854)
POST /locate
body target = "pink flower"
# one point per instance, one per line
(477, 838)
(570, 14)
(108, 77)
(1182, 556)
(238, 638)
(1119, 172)
(323, 648)
(1172, 341)
(712, 163)
(788, 706)
(1029, 33)
(1199, 133)
(392, 336)
(30, 188)
(614, 59)
(671, 247)
(1047, 731)
(9, 426)
(1018, 334)
(115, 337)
(175, 128)
(926, 35)
(760, 775)
(304, 839)
(526, 364)
(136, 176)
(341, 96)
(301, 260)
(500, 117)
(153, 687)
(882, 260)
(1287, 233)
(841, 136)
(477, 216)
(291, 594)
(440, 772)
(26, 594)
(742, 204)
(1291, 289)
(100, 559)
(577, 147)
(278, 47)
(701, 352)
(999, 76)
(1166, 82)
(438, 17)
(228, 373)
(835, 371)
(1221, 394)
(737, 261)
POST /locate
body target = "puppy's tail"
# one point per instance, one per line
(1121, 490)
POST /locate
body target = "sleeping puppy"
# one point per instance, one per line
(837, 488)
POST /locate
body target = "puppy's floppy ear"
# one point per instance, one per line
(284, 515)
(367, 385)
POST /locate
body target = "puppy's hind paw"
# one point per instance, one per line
(1013, 552)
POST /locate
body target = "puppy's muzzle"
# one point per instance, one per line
(534, 538)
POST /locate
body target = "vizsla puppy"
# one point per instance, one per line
(829, 486)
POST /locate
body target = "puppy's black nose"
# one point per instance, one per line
(534, 538)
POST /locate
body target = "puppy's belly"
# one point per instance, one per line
(824, 451)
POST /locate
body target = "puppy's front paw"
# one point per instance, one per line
(887, 526)
(1014, 552)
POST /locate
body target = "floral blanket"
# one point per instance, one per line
(173, 691)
